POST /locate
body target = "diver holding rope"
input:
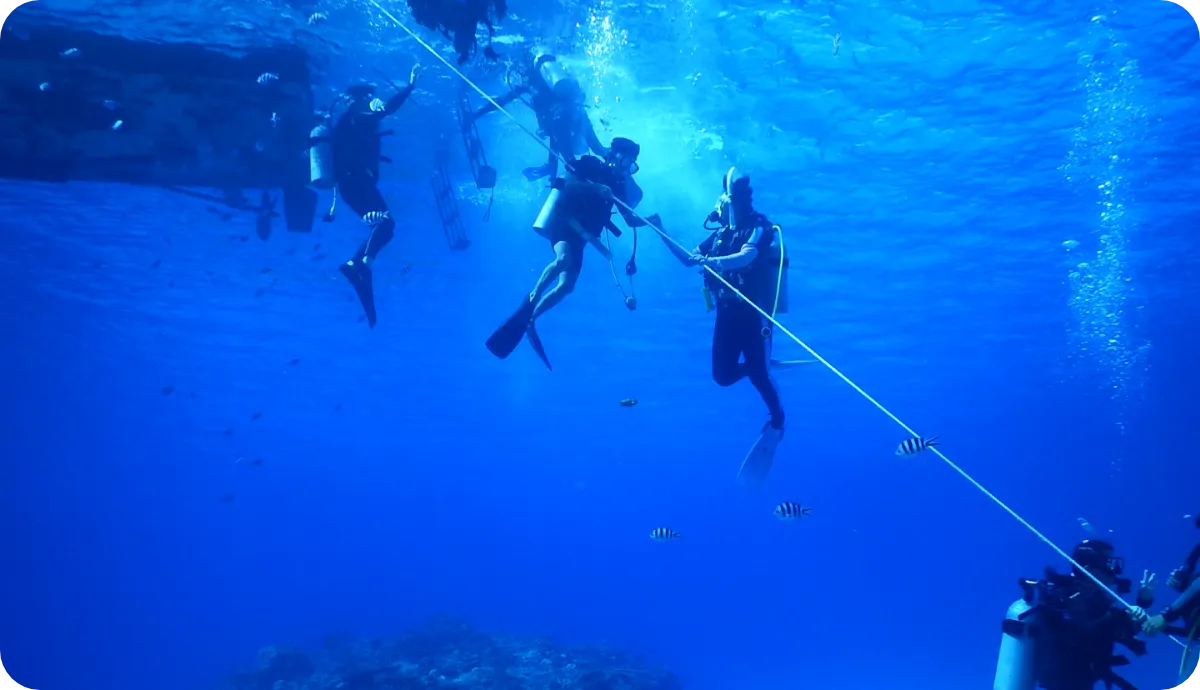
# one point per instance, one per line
(746, 249)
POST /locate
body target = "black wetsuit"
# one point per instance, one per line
(356, 154)
(1187, 606)
(740, 331)
(1076, 636)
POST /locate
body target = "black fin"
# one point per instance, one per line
(535, 341)
(360, 278)
(508, 336)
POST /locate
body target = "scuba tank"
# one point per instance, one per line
(555, 78)
(320, 156)
(547, 216)
(1015, 660)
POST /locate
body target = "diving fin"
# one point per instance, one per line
(535, 174)
(359, 275)
(508, 336)
(535, 341)
(756, 466)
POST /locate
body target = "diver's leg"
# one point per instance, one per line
(726, 350)
(757, 350)
(383, 226)
(569, 260)
(364, 198)
(553, 269)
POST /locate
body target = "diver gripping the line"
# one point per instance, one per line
(744, 249)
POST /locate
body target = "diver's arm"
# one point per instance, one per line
(685, 258)
(398, 100)
(593, 141)
(1190, 596)
(740, 259)
(497, 103)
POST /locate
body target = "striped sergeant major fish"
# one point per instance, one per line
(916, 445)
(664, 534)
(791, 511)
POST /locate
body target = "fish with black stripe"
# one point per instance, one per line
(792, 511)
(915, 445)
(664, 534)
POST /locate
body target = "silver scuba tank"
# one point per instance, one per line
(320, 156)
(547, 216)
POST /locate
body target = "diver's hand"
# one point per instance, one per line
(1138, 614)
(416, 72)
(1153, 624)
(697, 260)
(1147, 585)
(1175, 581)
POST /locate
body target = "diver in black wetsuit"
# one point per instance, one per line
(744, 250)
(356, 154)
(460, 17)
(1076, 625)
(557, 100)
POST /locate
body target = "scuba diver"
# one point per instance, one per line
(746, 249)
(356, 140)
(460, 17)
(577, 211)
(557, 100)
(1186, 607)
(1062, 633)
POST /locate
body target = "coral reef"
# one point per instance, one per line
(449, 653)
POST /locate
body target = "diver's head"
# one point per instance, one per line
(590, 169)
(622, 156)
(361, 92)
(737, 198)
(1098, 558)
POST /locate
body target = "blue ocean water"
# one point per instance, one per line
(991, 209)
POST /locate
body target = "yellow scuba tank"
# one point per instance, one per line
(320, 156)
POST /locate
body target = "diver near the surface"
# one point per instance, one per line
(357, 150)
(557, 100)
(745, 250)
(1185, 608)
(577, 211)
(457, 20)
(1063, 633)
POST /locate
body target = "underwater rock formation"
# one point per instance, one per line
(449, 653)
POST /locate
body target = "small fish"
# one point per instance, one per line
(791, 511)
(837, 41)
(628, 402)
(375, 217)
(916, 445)
(294, 362)
(228, 432)
(227, 498)
(116, 126)
(664, 534)
(256, 416)
(267, 78)
(1070, 244)
(167, 390)
(317, 18)
(256, 462)
(110, 104)
(45, 86)
(69, 53)
(274, 119)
